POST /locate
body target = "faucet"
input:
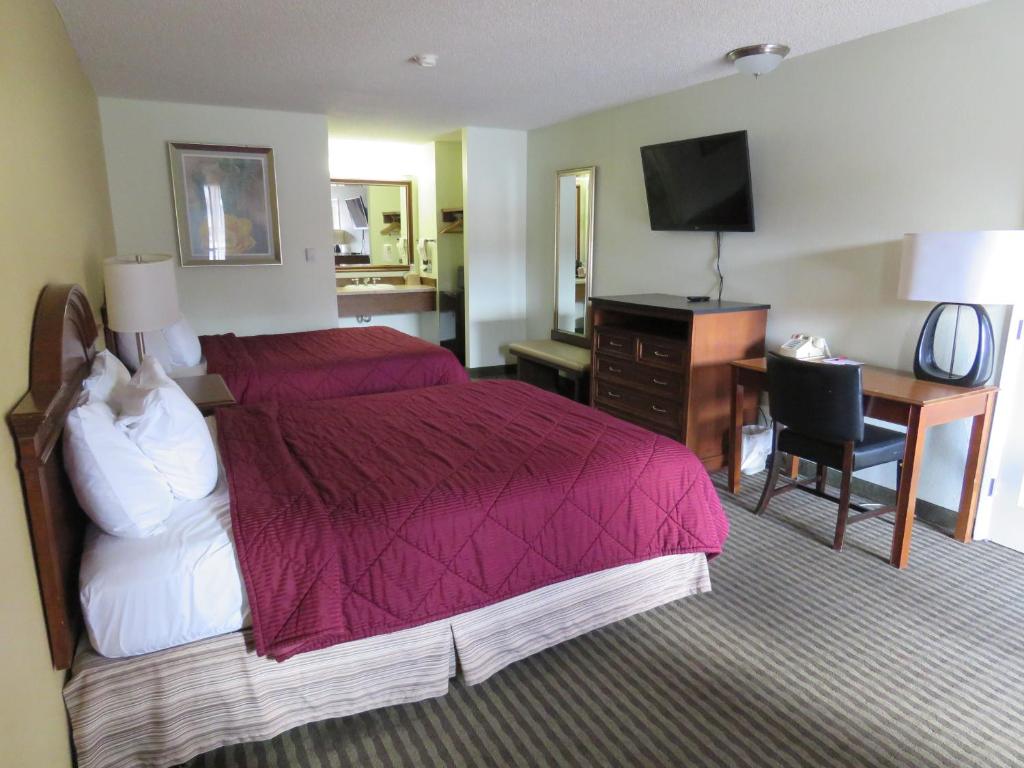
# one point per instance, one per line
(376, 280)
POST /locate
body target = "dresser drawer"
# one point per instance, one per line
(644, 376)
(668, 430)
(616, 342)
(649, 407)
(661, 352)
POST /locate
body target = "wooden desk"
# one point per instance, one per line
(898, 398)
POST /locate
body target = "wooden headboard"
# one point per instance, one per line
(63, 346)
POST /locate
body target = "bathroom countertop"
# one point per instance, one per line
(384, 288)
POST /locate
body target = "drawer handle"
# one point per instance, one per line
(656, 409)
(613, 369)
(660, 383)
(660, 354)
(613, 395)
(613, 343)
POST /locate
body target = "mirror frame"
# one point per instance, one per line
(576, 339)
(412, 266)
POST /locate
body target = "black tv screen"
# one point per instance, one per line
(700, 185)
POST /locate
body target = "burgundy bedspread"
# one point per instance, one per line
(318, 365)
(366, 515)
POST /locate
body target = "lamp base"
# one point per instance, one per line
(140, 346)
(927, 369)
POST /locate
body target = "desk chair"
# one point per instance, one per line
(819, 415)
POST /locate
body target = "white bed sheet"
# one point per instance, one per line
(185, 584)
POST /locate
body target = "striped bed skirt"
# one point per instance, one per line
(164, 708)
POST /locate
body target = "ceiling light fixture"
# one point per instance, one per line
(758, 59)
(425, 59)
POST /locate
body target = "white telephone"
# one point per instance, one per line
(805, 347)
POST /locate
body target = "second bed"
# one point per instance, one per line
(336, 362)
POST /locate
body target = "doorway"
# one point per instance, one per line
(1001, 509)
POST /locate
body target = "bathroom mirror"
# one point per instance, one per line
(574, 251)
(372, 223)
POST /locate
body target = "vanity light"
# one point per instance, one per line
(758, 59)
(426, 60)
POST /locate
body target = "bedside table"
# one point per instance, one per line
(208, 392)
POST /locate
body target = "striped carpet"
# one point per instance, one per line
(799, 656)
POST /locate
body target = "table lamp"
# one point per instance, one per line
(964, 270)
(142, 295)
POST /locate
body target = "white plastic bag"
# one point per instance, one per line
(757, 445)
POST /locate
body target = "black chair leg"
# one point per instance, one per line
(774, 470)
(822, 475)
(844, 497)
(899, 477)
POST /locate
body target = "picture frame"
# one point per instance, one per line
(225, 204)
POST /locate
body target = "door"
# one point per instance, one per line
(1001, 509)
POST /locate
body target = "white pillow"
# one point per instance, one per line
(183, 344)
(117, 486)
(168, 428)
(107, 375)
(175, 346)
(156, 346)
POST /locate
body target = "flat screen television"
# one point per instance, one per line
(700, 185)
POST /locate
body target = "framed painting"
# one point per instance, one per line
(225, 204)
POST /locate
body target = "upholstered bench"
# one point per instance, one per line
(545, 363)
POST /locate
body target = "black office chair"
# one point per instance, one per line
(818, 411)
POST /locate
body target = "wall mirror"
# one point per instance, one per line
(372, 224)
(574, 252)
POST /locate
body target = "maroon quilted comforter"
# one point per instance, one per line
(318, 365)
(366, 515)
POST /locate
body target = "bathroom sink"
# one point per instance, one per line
(369, 287)
(362, 301)
(379, 287)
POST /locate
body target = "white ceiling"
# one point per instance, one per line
(504, 63)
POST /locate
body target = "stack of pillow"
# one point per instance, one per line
(134, 445)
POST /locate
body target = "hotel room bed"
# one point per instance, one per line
(407, 507)
(381, 540)
(336, 362)
(525, 520)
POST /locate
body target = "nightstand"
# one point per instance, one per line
(208, 392)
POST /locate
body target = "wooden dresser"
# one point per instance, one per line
(663, 363)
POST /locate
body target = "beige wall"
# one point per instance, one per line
(55, 226)
(914, 129)
(448, 250)
(494, 241)
(296, 295)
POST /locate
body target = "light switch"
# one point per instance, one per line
(311, 254)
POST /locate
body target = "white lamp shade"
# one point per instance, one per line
(963, 267)
(142, 294)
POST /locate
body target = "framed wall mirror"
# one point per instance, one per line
(373, 225)
(574, 252)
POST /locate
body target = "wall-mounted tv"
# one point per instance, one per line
(700, 185)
